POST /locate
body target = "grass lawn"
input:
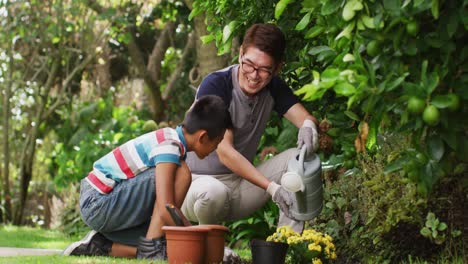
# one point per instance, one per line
(28, 237)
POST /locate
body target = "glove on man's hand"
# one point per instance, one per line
(281, 197)
(308, 136)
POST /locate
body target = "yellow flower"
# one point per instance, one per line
(310, 239)
(316, 261)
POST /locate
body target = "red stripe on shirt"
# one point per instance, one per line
(98, 183)
(122, 163)
(182, 149)
(160, 137)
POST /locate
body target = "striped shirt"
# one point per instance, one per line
(136, 156)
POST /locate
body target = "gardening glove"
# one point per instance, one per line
(308, 136)
(281, 197)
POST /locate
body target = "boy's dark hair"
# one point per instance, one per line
(209, 113)
(267, 38)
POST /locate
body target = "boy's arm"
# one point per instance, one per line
(165, 193)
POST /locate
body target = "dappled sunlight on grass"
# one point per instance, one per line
(30, 237)
(57, 259)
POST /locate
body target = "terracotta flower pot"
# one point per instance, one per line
(268, 252)
(185, 244)
(214, 247)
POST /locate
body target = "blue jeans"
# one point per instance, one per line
(124, 214)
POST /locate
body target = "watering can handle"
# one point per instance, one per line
(301, 160)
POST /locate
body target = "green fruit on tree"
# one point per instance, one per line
(416, 105)
(412, 28)
(348, 154)
(349, 164)
(454, 102)
(431, 115)
(150, 125)
(373, 48)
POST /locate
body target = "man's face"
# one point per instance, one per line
(256, 70)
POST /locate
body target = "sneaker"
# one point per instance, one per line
(155, 249)
(93, 244)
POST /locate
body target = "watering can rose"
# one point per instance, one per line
(308, 246)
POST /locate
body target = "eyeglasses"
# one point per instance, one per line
(249, 68)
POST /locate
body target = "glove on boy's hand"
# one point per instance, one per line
(281, 197)
(308, 136)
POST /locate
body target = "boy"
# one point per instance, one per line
(123, 198)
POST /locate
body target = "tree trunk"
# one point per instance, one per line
(207, 59)
(6, 132)
(104, 80)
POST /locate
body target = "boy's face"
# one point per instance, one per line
(207, 145)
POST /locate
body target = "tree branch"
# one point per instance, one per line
(176, 73)
(159, 50)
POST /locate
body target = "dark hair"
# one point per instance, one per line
(267, 38)
(210, 113)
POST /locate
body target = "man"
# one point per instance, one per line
(226, 185)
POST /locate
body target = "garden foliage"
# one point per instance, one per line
(370, 70)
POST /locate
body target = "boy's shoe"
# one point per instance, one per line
(231, 257)
(93, 244)
(155, 249)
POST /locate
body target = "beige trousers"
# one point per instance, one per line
(215, 198)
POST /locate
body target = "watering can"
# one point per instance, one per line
(304, 179)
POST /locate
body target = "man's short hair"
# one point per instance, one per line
(209, 113)
(267, 38)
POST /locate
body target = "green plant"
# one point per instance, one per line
(434, 229)
(258, 225)
(308, 246)
(70, 216)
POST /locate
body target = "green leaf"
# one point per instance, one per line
(330, 74)
(280, 6)
(368, 21)
(228, 29)
(426, 232)
(207, 38)
(313, 32)
(319, 49)
(395, 165)
(55, 40)
(432, 82)
(442, 227)
(340, 202)
(346, 31)
(441, 101)
(304, 22)
(344, 89)
(395, 83)
(351, 115)
(436, 147)
(195, 12)
(330, 7)
(435, 9)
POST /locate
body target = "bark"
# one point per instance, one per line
(207, 59)
(44, 109)
(176, 73)
(7, 217)
(152, 70)
(104, 79)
